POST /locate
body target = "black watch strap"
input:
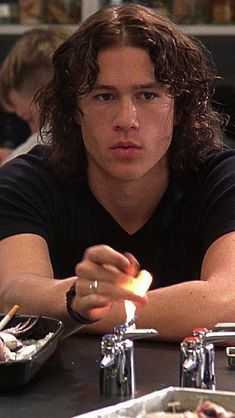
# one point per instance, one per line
(73, 314)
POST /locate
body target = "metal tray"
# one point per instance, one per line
(158, 401)
(17, 373)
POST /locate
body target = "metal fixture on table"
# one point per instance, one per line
(117, 369)
(197, 355)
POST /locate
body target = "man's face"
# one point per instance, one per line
(128, 120)
(24, 108)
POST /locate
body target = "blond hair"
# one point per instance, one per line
(28, 65)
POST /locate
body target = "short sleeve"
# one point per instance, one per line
(26, 198)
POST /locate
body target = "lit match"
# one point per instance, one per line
(139, 286)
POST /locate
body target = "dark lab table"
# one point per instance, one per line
(68, 383)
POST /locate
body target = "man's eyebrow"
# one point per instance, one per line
(151, 85)
(99, 86)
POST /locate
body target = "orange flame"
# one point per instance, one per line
(139, 286)
(141, 283)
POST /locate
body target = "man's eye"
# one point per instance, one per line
(148, 96)
(104, 97)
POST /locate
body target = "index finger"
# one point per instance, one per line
(134, 264)
(103, 254)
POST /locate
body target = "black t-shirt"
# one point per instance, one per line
(171, 245)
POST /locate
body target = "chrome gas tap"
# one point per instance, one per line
(117, 373)
(197, 356)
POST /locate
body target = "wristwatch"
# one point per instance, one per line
(73, 314)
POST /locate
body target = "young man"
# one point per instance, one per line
(26, 69)
(135, 177)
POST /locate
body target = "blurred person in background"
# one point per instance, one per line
(27, 68)
(14, 131)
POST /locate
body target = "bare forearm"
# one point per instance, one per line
(176, 310)
(36, 295)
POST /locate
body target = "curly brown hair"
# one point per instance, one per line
(183, 66)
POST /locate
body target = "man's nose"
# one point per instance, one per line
(126, 117)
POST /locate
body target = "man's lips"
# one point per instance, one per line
(125, 150)
(125, 145)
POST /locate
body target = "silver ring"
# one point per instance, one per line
(94, 286)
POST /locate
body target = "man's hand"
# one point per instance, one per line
(112, 273)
